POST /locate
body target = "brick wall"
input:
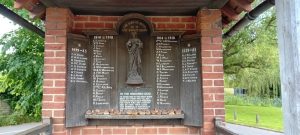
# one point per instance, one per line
(58, 24)
(209, 25)
(61, 21)
(176, 23)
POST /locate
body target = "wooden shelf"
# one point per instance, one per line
(126, 117)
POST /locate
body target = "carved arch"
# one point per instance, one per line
(134, 16)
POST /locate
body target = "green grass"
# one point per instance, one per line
(15, 119)
(270, 117)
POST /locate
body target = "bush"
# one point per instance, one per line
(21, 71)
(15, 119)
(252, 101)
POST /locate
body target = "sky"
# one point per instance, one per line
(6, 25)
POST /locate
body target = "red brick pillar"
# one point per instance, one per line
(209, 25)
(58, 24)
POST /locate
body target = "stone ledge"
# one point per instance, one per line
(145, 117)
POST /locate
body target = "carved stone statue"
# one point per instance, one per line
(134, 46)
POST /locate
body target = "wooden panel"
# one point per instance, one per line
(167, 70)
(160, 11)
(78, 86)
(146, 67)
(135, 72)
(132, 3)
(146, 56)
(191, 102)
(146, 7)
(103, 70)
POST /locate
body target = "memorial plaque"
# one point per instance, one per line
(190, 80)
(136, 64)
(103, 70)
(167, 64)
(78, 65)
(135, 99)
(133, 71)
(190, 73)
(78, 81)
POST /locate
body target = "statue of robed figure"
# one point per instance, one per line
(134, 46)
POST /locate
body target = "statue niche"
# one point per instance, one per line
(134, 46)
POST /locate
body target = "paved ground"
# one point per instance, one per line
(241, 130)
(11, 130)
(244, 130)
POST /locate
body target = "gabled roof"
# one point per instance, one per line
(231, 9)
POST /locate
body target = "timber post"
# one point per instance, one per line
(288, 25)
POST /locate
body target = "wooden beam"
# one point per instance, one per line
(37, 11)
(18, 4)
(225, 22)
(228, 11)
(48, 3)
(27, 4)
(21, 21)
(244, 4)
(217, 3)
(288, 26)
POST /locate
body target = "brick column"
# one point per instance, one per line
(209, 25)
(58, 24)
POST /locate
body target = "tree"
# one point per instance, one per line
(21, 68)
(251, 58)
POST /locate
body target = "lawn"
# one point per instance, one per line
(269, 117)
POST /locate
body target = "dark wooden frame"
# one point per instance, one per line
(149, 119)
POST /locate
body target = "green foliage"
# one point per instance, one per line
(21, 71)
(252, 101)
(23, 13)
(251, 58)
(8, 3)
(269, 117)
(15, 119)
